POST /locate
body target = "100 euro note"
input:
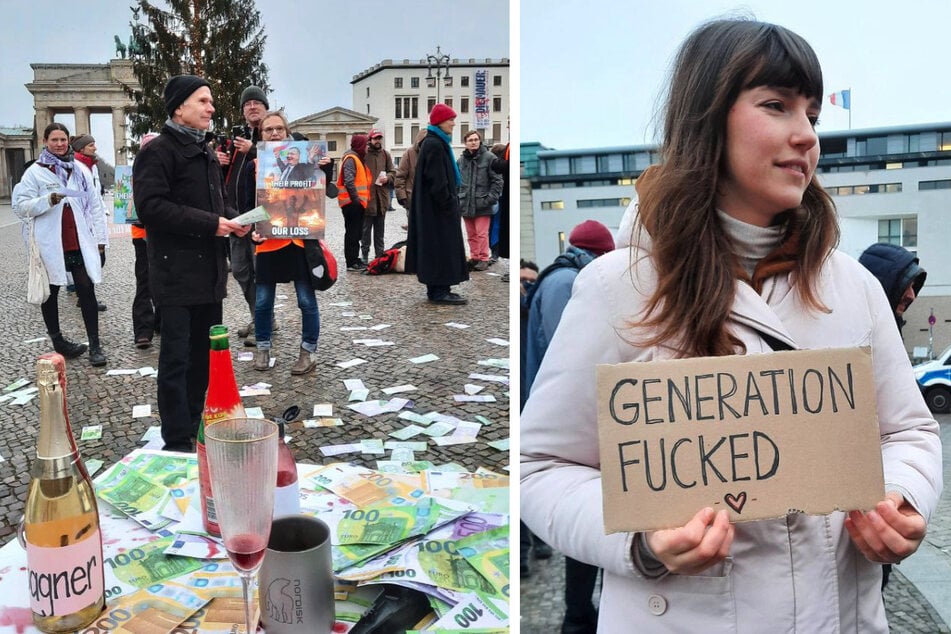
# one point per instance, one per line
(362, 534)
(136, 496)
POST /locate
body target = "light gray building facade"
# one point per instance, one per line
(889, 185)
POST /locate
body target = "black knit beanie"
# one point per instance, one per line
(180, 88)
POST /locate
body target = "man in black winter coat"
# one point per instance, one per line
(434, 246)
(179, 196)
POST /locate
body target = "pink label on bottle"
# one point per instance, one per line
(67, 579)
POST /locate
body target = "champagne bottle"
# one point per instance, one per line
(222, 402)
(60, 526)
(287, 493)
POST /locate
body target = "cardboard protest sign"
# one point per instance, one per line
(291, 188)
(760, 435)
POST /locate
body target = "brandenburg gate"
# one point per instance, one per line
(83, 89)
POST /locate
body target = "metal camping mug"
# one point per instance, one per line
(296, 583)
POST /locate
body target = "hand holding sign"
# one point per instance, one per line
(890, 532)
(702, 542)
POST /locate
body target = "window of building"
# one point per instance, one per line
(331, 146)
(930, 185)
(414, 131)
(603, 202)
(553, 204)
(497, 132)
(625, 181)
(463, 129)
(496, 80)
(895, 165)
(415, 103)
(368, 91)
(611, 163)
(397, 82)
(944, 141)
(876, 188)
(398, 111)
(368, 108)
(900, 231)
(496, 104)
(448, 101)
(835, 148)
(414, 82)
(430, 104)
(871, 146)
(398, 135)
(464, 105)
(447, 81)
(583, 165)
(464, 81)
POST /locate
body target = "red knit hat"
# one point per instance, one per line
(592, 236)
(441, 112)
(373, 133)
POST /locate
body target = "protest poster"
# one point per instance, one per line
(759, 435)
(291, 188)
(123, 206)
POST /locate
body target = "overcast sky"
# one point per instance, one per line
(313, 48)
(591, 72)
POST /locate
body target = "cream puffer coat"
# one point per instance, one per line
(800, 573)
(31, 203)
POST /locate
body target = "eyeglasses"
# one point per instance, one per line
(280, 129)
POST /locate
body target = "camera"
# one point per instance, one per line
(223, 143)
(242, 131)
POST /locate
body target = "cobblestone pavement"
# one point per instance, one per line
(908, 609)
(416, 328)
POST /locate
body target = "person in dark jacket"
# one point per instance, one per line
(243, 151)
(179, 197)
(379, 164)
(434, 246)
(353, 184)
(546, 301)
(898, 272)
(478, 194)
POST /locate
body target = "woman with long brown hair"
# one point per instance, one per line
(732, 252)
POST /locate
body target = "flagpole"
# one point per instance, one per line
(850, 108)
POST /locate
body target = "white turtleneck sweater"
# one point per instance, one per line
(750, 242)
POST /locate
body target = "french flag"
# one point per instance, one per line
(843, 99)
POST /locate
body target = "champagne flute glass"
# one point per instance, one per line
(242, 462)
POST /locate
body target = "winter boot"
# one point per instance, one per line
(67, 348)
(305, 363)
(262, 359)
(96, 357)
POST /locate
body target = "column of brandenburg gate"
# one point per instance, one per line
(83, 89)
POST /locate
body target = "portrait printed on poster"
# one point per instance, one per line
(292, 188)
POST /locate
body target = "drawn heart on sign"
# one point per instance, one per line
(735, 502)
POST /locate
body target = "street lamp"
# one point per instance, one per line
(439, 62)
